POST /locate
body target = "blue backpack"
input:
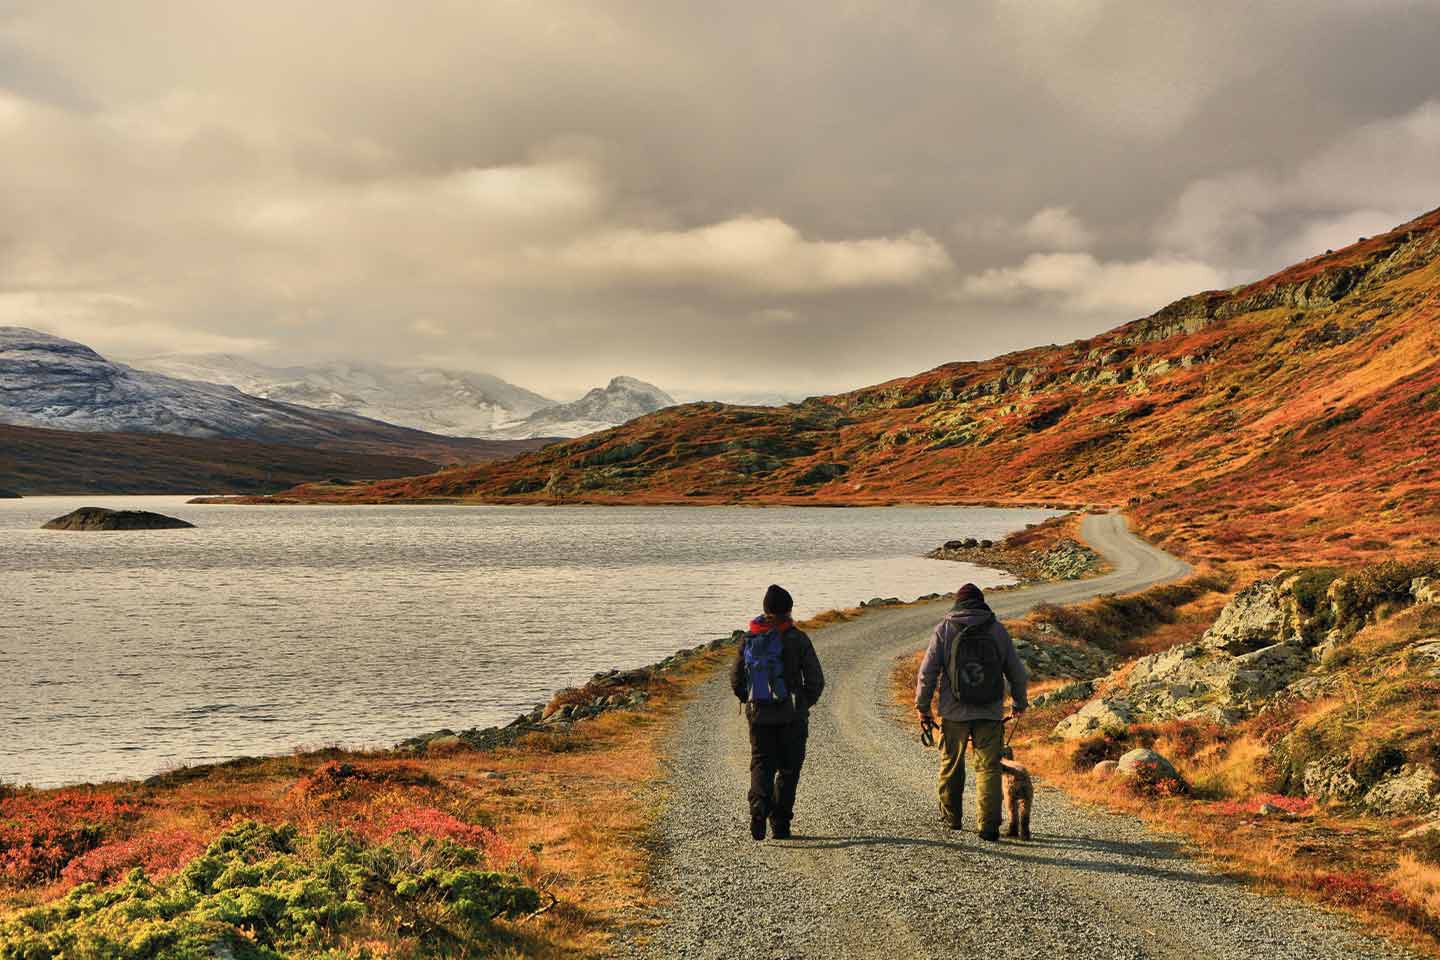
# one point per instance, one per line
(765, 666)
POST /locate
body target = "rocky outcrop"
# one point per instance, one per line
(1079, 690)
(1331, 780)
(1425, 655)
(1096, 718)
(1414, 788)
(1203, 681)
(1068, 560)
(1064, 560)
(1272, 639)
(99, 518)
(1394, 789)
(1057, 659)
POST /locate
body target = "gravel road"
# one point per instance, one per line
(870, 873)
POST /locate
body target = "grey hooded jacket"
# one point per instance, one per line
(937, 655)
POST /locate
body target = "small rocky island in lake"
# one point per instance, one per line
(99, 518)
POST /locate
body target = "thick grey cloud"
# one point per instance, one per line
(727, 199)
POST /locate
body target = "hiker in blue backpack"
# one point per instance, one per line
(778, 678)
(970, 659)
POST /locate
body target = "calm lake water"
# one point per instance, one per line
(268, 628)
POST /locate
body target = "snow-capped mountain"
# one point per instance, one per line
(624, 399)
(438, 401)
(48, 381)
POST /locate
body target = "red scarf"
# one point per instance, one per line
(764, 623)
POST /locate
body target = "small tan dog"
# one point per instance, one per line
(1019, 794)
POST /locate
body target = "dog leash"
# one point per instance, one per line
(927, 730)
(1014, 721)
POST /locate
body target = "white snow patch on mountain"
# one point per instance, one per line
(622, 400)
(447, 402)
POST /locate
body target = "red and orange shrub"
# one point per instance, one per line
(41, 833)
(158, 854)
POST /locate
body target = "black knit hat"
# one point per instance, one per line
(969, 594)
(778, 601)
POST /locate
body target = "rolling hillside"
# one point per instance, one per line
(1297, 413)
(35, 462)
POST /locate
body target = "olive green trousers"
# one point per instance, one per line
(989, 739)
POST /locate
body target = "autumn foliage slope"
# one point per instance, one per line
(1300, 409)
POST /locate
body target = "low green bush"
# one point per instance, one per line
(260, 892)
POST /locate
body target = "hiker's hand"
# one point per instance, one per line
(925, 719)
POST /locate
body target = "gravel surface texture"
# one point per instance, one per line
(870, 873)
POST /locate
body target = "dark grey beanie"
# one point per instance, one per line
(969, 594)
(778, 601)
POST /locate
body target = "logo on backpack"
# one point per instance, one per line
(977, 677)
(765, 666)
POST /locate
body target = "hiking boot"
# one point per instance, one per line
(757, 826)
(780, 829)
(991, 834)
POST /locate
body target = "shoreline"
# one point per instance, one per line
(577, 790)
(1042, 533)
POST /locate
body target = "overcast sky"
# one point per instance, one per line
(723, 198)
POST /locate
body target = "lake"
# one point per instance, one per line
(271, 628)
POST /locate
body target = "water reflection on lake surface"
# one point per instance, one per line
(271, 627)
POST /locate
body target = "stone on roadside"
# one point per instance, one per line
(1425, 590)
(1149, 768)
(1423, 832)
(1104, 769)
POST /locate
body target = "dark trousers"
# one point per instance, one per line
(776, 755)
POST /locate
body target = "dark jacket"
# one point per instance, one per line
(934, 672)
(803, 679)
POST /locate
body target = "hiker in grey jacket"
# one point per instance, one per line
(961, 722)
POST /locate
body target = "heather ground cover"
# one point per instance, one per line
(533, 848)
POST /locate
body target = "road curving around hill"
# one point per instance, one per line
(870, 873)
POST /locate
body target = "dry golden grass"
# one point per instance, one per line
(829, 617)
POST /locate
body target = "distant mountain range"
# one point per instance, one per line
(50, 382)
(438, 401)
(621, 401)
(446, 402)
